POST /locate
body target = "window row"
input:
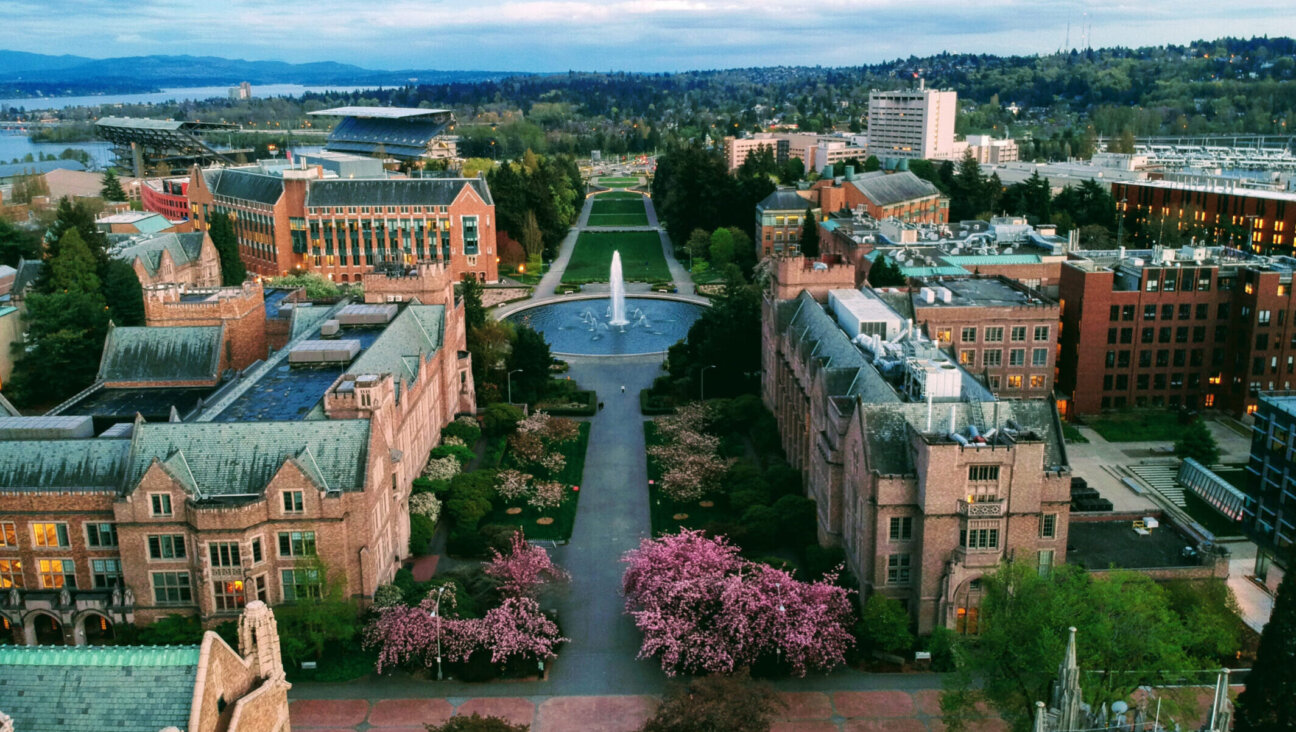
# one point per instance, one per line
(55, 534)
(292, 544)
(994, 357)
(995, 334)
(55, 574)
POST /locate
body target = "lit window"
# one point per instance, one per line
(50, 534)
(55, 574)
(1037, 381)
(228, 596)
(1015, 381)
(8, 534)
(11, 573)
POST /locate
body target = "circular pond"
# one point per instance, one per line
(581, 326)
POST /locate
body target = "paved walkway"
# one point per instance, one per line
(553, 277)
(846, 711)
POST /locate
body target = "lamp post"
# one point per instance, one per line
(436, 615)
(510, 384)
(703, 385)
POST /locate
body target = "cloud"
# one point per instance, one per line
(638, 35)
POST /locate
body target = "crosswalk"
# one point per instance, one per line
(1161, 476)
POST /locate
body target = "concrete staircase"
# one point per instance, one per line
(1161, 476)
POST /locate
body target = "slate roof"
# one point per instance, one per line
(419, 330)
(61, 465)
(393, 192)
(886, 190)
(93, 689)
(182, 353)
(29, 270)
(184, 249)
(245, 185)
(785, 199)
(217, 459)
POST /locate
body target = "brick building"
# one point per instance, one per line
(283, 478)
(1261, 221)
(239, 311)
(1194, 327)
(880, 195)
(296, 220)
(176, 258)
(780, 218)
(203, 688)
(924, 478)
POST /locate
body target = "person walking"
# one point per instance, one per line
(623, 388)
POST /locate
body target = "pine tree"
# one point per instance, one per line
(122, 291)
(77, 216)
(74, 269)
(221, 230)
(810, 235)
(885, 273)
(1199, 444)
(112, 189)
(1268, 704)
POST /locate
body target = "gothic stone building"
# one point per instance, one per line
(925, 496)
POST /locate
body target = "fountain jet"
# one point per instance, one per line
(618, 293)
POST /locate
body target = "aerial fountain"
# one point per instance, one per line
(618, 293)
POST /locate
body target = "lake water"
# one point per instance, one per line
(16, 145)
(170, 95)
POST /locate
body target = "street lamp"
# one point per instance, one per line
(510, 384)
(436, 615)
(703, 389)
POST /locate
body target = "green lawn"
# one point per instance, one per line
(641, 257)
(618, 182)
(618, 212)
(662, 510)
(1137, 425)
(565, 515)
(618, 196)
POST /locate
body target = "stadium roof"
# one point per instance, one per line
(143, 123)
(379, 112)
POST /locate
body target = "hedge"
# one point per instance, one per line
(580, 403)
(651, 404)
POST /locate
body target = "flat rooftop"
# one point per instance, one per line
(980, 292)
(123, 404)
(1106, 544)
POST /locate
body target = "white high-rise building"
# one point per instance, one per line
(913, 123)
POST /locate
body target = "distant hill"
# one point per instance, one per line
(39, 74)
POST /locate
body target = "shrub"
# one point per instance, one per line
(763, 527)
(941, 646)
(497, 537)
(731, 702)
(465, 428)
(458, 452)
(478, 723)
(884, 626)
(388, 596)
(428, 485)
(512, 484)
(501, 419)
(426, 504)
(468, 501)
(800, 524)
(421, 531)
(466, 543)
(443, 468)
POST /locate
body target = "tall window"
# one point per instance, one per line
(160, 504)
(166, 546)
(993, 335)
(50, 534)
(300, 584)
(11, 573)
(172, 588)
(968, 335)
(1017, 357)
(1041, 332)
(224, 554)
(55, 574)
(1045, 566)
(993, 357)
(901, 528)
(228, 595)
(1048, 526)
(297, 543)
(1019, 333)
(256, 551)
(8, 534)
(292, 502)
(106, 573)
(983, 535)
(1039, 357)
(898, 569)
(983, 472)
(101, 536)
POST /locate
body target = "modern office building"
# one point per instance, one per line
(1270, 511)
(922, 476)
(302, 219)
(1198, 327)
(912, 123)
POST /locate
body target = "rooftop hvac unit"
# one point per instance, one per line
(945, 295)
(927, 295)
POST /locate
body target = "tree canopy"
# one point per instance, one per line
(1268, 704)
(221, 231)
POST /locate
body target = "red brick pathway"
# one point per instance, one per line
(843, 711)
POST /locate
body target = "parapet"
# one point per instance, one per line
(430, 282)
(791, 275)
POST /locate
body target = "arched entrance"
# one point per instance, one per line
(47, 630)
(967, 607)
(98, 630)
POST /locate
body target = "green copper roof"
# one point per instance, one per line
(933, 271)
(216, 459)
(92, 689)
(970, 260)
(417, 330)
(62, 465)
(189, 353)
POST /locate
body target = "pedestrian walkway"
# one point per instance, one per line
(813, 711)
(1161, 476)
(552, 278)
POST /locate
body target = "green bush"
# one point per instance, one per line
(576, 403)
(820, 560)
(494, 452)
(466, 543)
(651, 404)
(501, 419)
(317, 286)
(799, 522)
(389, 595)
(941, 647)
(421, 531)
(463, 454)
(427, 485)
(465, 428)
(763, 527)
(884, 626)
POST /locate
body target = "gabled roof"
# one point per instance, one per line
(245, 185)
(785, 199)
(182, 353)
(418, 331)
(240, 458)
(886, 190)
(61, 465)
(393, 192)
(184, 249)
(98, 688)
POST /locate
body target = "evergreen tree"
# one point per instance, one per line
(885, 273)
(530, 353)
(221, 231)
(474, 311)
(74, 269)
(1268, 704)
(123, 293)
(1199, 444)
(810, 235)
(112, 189)
(17, 244)
(532, 238)
(79, 216)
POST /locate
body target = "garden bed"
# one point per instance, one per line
(580, 403)
(564, 516)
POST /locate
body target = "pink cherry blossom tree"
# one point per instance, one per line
(524, 569)
(518, 628)
(703, 608)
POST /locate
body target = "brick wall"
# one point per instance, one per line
(241, 310)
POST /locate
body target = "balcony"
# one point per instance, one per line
(982, 509)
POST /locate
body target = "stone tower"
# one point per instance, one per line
(259, 640)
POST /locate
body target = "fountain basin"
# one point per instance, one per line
(582, 328)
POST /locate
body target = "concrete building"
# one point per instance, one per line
(918, 472)
(204, 688)
(986, 149)
(826, 153)
(1199, 327)
(880, 195)
(300, 220)
(1270, 511)
(912, 123)
(185, 258)
(263, 485)
(782, 145)
(780, 219)
(1262, 221)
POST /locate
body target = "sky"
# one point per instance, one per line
(616, 35)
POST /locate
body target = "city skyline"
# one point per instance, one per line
(629, 35)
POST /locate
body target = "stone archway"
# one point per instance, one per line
(44, 629)
(95, 629)
(967, 607)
